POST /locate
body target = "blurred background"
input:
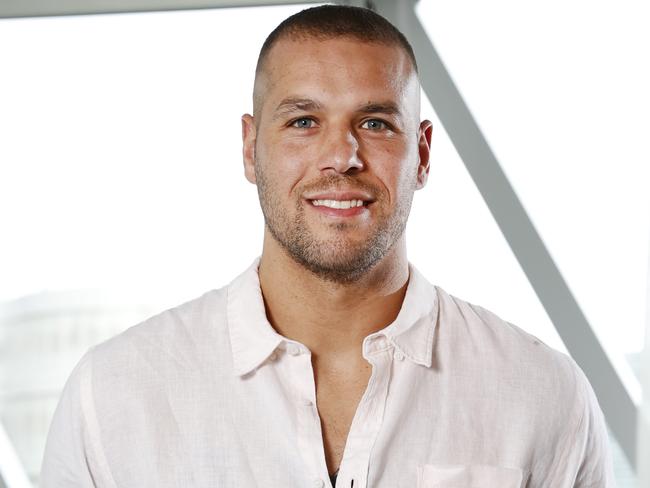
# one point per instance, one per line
(121, 181)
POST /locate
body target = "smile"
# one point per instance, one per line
(338, 203)
(340, 208)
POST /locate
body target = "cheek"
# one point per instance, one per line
(395, 165)
(293, 155)
(285, 163)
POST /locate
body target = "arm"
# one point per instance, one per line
(596, 466)
(65, 461)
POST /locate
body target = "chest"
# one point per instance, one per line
(188, 439)
(338, 399)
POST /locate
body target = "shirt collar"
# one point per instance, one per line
(253, 339)
(412, 330)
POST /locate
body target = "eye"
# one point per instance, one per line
(303, 123)
(374, 124)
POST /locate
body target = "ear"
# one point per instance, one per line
(424, 150)
(248, 135)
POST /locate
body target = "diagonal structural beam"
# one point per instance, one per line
(644, 414)
(12, 473)
(616, 402)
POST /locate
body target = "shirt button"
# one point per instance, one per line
(318, 483)
(293, 349)
(381, 343)
(399, 356)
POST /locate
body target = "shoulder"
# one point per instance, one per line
(480, 335)
(176, 338)
(539, 388)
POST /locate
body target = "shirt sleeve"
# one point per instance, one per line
(596, 466)
(65, 461)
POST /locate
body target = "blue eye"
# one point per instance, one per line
(304, 123)
(374, 124)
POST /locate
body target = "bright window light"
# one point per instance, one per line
(559, 89)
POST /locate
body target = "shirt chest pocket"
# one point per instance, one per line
(468, 476)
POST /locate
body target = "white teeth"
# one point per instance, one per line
(338, 203)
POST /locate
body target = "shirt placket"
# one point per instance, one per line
(368, 418)
(310, 438)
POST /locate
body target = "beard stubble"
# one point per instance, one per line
(337, 258)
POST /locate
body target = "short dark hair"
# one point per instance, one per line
(331, 21)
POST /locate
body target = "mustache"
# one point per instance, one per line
(340, 182)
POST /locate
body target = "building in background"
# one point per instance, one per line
(42, 336)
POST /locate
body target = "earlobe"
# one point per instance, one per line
(424, 150)
(249, 134)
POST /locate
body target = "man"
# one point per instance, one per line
(331, 361)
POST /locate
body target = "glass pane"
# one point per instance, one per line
(564, 108)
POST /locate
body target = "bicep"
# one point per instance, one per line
(596, 467)
(65, 460)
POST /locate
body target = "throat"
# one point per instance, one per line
(317, 313)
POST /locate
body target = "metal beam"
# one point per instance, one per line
(45, 8)
(644, 415)
(527, 245)
(12, 473)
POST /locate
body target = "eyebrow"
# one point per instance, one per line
(388, 108)
(295, 104)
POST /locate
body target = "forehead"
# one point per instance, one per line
(339, 68)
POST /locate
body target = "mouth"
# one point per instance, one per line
(340, 208)
(342, 204)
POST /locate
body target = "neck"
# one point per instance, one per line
(331, 319)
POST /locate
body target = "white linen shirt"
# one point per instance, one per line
(208, 394)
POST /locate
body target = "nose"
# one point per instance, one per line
(340, 152)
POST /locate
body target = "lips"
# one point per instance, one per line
(340, 204)
(342, 195)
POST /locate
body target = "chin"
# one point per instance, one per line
(347, 266)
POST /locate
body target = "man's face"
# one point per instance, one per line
(336, 120)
